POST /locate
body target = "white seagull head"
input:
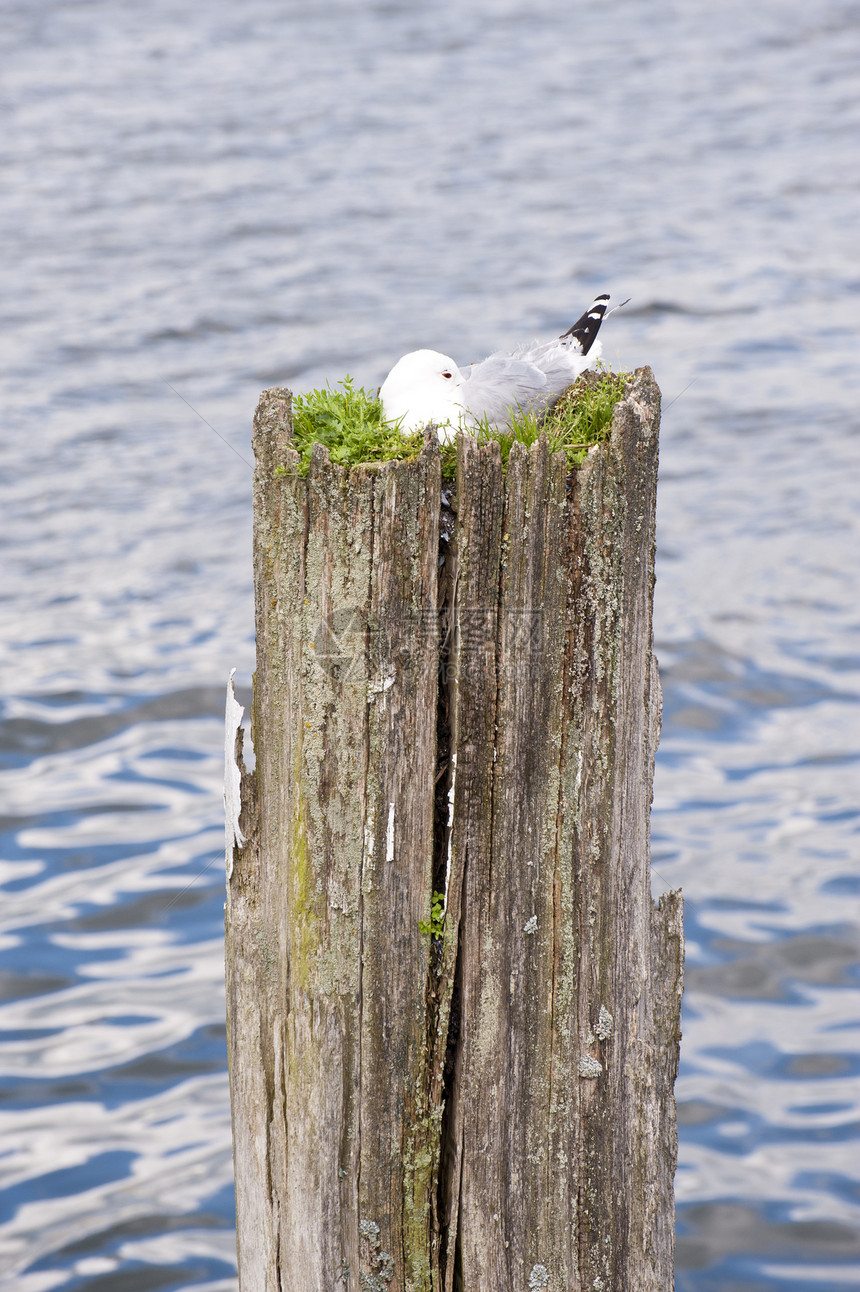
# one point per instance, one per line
(423, 387)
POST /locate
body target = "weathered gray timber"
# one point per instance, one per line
(490, 1109)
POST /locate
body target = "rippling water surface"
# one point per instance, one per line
(224, 197)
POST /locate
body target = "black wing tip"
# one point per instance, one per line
(585, 329)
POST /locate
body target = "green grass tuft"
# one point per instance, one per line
(580, 418)
(350, 423)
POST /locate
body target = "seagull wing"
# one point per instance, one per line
(503, 382)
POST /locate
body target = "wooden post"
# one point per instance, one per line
(455, 693)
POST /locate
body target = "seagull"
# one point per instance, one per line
(426, 386)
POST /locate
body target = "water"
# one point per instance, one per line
(224, 198)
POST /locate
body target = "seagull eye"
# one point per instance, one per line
(447, 374)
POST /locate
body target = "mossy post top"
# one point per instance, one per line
(349, 424)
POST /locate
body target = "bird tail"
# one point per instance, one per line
(585, 329)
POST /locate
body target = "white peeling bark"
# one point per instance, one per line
(233, 715)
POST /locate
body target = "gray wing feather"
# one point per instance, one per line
(499, 384)
(511, 381)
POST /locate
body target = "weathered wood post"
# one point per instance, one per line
(455, 693)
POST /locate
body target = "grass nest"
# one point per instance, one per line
(349, 421)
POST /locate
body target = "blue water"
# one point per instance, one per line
(225, 197)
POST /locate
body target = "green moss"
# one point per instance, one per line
(436, 924)
(350, 423)
(420, 1181)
